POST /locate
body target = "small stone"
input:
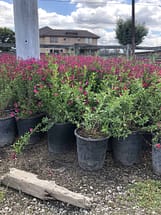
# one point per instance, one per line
(6, 208)
(98, 193)
(60, 170)
(109, 191)
(118, 188)
(91, 187)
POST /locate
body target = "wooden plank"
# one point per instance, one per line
(43, 189)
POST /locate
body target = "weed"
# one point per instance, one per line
(2, 195)
(144, 194)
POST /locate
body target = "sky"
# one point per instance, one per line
(97, 16)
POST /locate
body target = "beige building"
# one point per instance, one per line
(67, 41)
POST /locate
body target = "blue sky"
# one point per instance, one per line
(64, 7)
(97, 16)
(61, 7)
(58, 6)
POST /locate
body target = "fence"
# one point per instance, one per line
(103, 50)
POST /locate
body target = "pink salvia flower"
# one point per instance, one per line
(31, 130)
(12, 114)
(35, 91)
(13, 156)
(158, 145)
(85, 93)
(15, 105)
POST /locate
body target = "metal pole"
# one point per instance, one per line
(133, 28)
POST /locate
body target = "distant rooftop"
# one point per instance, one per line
(47, 31)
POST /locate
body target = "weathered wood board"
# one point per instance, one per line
(43, 189)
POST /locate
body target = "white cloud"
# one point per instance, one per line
(107, 38)
(54, 20)
(99, 17)
(6, 15)
(95, 3)
(155, 2)
(90, 4)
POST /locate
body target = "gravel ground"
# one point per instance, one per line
(104, 186)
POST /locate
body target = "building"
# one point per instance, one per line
(67, 41)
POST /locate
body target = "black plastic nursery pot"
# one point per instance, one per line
(61, 138)
(8, 130)
(156, 160)
(24, 125)
(128, 151)
(109, 145)
(147, 141)
(91, 152)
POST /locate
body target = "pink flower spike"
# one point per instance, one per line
(85, 93)
(16, 110)
(15, 105)
(158, 146)
(13, 156)
(12, 114)
(31, 130)
(36, 91)
(80, 89)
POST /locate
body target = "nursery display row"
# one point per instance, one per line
(100, 101)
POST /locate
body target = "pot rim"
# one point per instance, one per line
(63, 123)
(31, 117)
(89, 138)
(6, 118)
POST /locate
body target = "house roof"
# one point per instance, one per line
(46, 31)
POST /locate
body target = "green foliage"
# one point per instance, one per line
(23, 141)
(94, 120)
(6, 93)
(126, 110)
(2, 195)
(58, 97)
(113, 102)
(6, 36)
(124, 32)
(6, 99)
(152, 108)
(91, 102)
(20, 144)
(144, 194)
(25, 88)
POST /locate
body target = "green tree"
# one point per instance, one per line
(6, 36)
(124, 32)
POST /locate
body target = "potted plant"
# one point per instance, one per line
(8, 128)
(92, 133)
(59, 106)
(127, 121)
(156, 152)
(28, 107)
(154, 126)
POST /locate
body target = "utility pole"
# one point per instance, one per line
(133, 28)
(26, 29)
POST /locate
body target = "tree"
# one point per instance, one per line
(6, 36)
(124, 32)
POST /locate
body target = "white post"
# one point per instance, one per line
(26, 29)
